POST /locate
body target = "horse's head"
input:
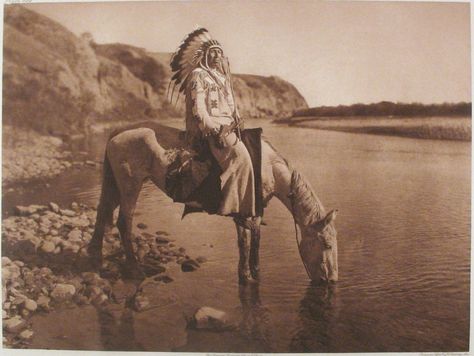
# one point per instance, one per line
(319, 249)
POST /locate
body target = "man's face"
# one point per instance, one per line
(214, 58)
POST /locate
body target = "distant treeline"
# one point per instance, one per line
(387, 108)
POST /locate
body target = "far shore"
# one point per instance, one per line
(436, 128)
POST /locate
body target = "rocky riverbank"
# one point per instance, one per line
(28, 155)
(45, 265)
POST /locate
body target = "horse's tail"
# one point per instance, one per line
(109, 200)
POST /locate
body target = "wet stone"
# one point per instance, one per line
(189, 265)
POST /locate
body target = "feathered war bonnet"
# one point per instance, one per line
(190, 55)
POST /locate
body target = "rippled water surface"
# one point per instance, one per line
(404, 249)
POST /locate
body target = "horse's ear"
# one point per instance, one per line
(330, 217)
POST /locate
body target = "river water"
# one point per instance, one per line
(404, 251)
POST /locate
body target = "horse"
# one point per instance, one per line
(144, 151)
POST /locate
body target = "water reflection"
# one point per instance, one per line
(255, 321)
(117, 332)
(318, 314)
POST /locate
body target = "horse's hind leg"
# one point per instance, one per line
(109, 200)
(128, 201)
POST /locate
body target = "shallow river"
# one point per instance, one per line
(404, 253)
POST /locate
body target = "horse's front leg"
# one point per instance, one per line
(254, 260)
(243, 239)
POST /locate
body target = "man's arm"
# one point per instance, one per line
(199, 107)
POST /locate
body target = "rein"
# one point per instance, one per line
(291, 196)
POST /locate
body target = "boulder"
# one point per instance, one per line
(210, 318)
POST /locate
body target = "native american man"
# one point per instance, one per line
(202, 72)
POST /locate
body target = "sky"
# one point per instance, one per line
(335, 53)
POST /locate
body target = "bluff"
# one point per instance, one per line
(56, 82)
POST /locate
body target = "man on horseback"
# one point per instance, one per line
(202, 72)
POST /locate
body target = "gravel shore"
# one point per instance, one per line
(45, 265)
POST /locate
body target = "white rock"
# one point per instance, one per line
(54, 207)
(26, 334)
(210, 318)
(6, 261)
(48, 246)
(30, 305)
(63, 291)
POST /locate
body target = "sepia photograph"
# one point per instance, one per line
(233, 176)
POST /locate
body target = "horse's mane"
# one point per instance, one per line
(307, 205)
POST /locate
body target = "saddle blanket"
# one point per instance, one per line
(195, 179)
